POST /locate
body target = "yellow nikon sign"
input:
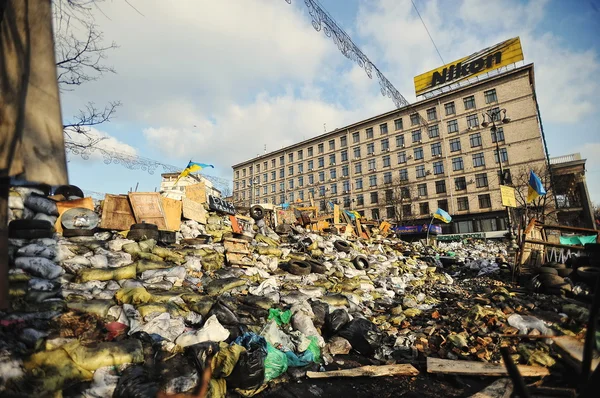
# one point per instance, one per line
(494, 57)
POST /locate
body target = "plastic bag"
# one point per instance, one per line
(211, 331)
(226, 359)
(321, 310)
(277, 337)
(136, 382)
(363, 335)
(525, 322)
(249, 372)
(276, 363)
(336, 320)
(339, 345)
(280, 317)
(223, 313)
(312, 354)
(303, 323)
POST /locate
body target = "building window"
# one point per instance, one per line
(370, 148)
(383, 128)
(322, 190)
(332, 173)
(359, 183)
(344, 156)
(243, 194)
(237, 185)
(358, 168)
(418, 153)
(300, 168)
(450, 109)
(237, 174)
(333, 189)
(431, 114)
(453, 126)
(370, 132)
(404, 192)
(400, 141)
(301, 195)
(300, 181)
(244, 173)
(345, 171)
(475, 140)
(332, 159)
(272, 188)
(460, 183)
(321, 176)
(390, 212)
(385, 145)
(414, 119)
(433, 131)
(481, 180)
(281, 160)
(478, 160)
(311, 179)
(310, 151)
(389, 195)
(485, 201)
(420, 171)
(463, 203)
(371, 164)
(290, 170)
(346, 186)
(360, 200)
(406, 210)
(440, 186)
(300, 155)
(422, 189)
(321, 148)
(258, 168)
(347, 202)
(490, 96)
(375, 214)
(455, 145)
(403, 174)
(436, 149)
(401, 157)
(424, 208)
(272, 163)
(416, 136)
(322, 205)
(469, 102)
(321, 162)
(472, 121)
(374, 197)
(503, 155)
(373, 181)
(290, 157)
(311, 165)
(387, 177)
(265, 190)
(291, 184)
(356, 137)
(498, 135)
(281, 173)
(443, 204)
(438, 167)
(281, 187)
(343, 141)
(331, 145)
(386, 161)
(398, 124)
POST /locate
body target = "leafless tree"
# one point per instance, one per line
(399, 194)
(543, 208)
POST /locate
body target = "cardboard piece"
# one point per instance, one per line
(86, 203)
(194, 211)
(147, 207)
(117, 213)
(196, 192)
(172, 209)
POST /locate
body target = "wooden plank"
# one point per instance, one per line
(544, 243)
(359, 229)
(196, 192)
(449, 366)
(236, 247)
(368, 371)
(501, 388)
(117, 213)
(172, 209)
(239, 259)
(384, 227)
(235, 226)
(572, 349)
(147, 207)
(86, 203)
(193, 211)
(336, 214)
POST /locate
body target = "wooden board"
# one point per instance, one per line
(236, 247)
(196, 192)
(86, 203)
(194, 211)
(235, 226)
(147, 207)
(449, 366)
(336, 214)
(369, 371)
(172, 209)
(117, 213)
(501, 388)
(572, 350)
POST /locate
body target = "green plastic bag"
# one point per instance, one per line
(276, 363)
(314, 348)
(281, 317)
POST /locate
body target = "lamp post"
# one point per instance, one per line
(491, 117)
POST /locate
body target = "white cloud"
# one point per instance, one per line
(95, 146)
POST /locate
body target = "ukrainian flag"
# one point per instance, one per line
(442, 215)
(536, 189)
(193, 167)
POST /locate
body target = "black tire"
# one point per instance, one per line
(71, 233)
(31, 233)
(579, 261)
(564, 272)
(257, 212)
(553, 281)
(298, 267)
(69, 190)
(361, 262)
(342, 246)
(144, 225)
(167, 237)
(29, 224)
(316, 267)
(143, 234)
(588, 273)
(555, 265)
(331, 230)
(547, 270)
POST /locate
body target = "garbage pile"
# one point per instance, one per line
(121, 313)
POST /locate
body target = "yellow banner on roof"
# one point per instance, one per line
(494, 57)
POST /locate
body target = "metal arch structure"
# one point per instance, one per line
(321, 20)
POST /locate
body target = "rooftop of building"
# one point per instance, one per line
(433, 99)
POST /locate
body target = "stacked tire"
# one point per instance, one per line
(143, 231)
(551, 280)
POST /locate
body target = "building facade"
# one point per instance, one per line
(169, 189)
(404, 164)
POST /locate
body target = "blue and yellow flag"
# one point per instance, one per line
(442, 215)
(193, 167)
(536, 189)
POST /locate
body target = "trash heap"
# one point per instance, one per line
(104, 315)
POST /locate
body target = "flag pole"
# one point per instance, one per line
(428, 228)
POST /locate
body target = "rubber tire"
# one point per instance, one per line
(555, 265)
(342, 246)
(316, 267)
(257, 212)
(564, 272)
(142, 234)
(297, 267)
(546, 277)
(71, 233)
(29, 224)
(361, 262)
(144, 225)
(331, 230)
(553, 281)
(167, 237)
(31, 233)
(547, 270)
(588, 273)
(69, 190)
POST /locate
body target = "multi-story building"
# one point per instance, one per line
(171, 190)
(404, 164)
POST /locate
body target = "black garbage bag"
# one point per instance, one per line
(249, 372)
(235, 331)
(363, 335)
(224, 314)
(136, 382)
(335, 321)
(200, 353)
(321, 310)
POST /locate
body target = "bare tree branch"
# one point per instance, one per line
(91, 116)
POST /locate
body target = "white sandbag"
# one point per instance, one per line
(174, 275)
(211, 331)
(304, 324)
(104, 383)
(130, 283)
(131, 316)
(116, 245)
(37, 250)
(164, 326)
(193, 263)
(45, 217)
(41, 285)
(15, 201)
(63, 253)
(40, 204)
(98, 261)
(39, 266)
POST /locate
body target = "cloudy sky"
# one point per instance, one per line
(218, 81)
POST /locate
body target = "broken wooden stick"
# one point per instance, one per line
(368, 371)
(455, 367)
(572, 350)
